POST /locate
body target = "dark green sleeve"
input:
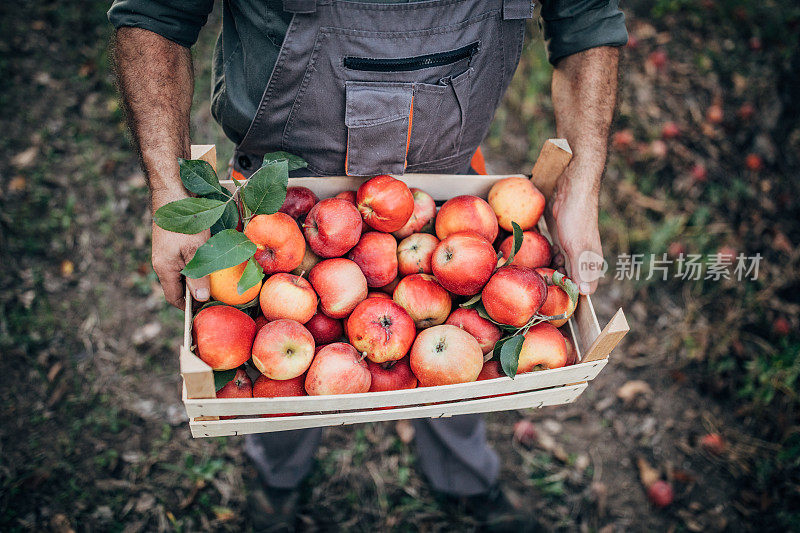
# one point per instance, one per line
(572, 26)
(177, 20)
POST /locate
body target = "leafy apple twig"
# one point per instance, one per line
(215, 208)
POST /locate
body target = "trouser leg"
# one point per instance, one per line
(283, 458)
(454, 454)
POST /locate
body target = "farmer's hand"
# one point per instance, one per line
(171, 252)
(575, 211)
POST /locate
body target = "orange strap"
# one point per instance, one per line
(478, 163)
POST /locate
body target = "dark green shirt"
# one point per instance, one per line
(253, 30)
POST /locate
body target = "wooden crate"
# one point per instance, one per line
(532, 390)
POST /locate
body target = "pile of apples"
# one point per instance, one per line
(363, 290)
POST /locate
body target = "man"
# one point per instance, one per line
(364, 88)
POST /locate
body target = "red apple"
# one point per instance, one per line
(466, 213)
(338, 369)
(463, 263)
(287, 296)
(332, 227)
(389, 287)
(513, 295)
(381, 330)
(376, 294)
(283, 349)
(491, 370)
(426, 301)
(443, 355)
(543, 348)
(557, 301)
(279, 242)
(376, 256)
(265, 387)
(572, 353)
(309, 260)
(350, 196)
(424, 212)
(223, 336)
(534, 252)
(298, 202)
(516, 200)
(414, 254)
(486, 333)
(260, 321)
(340, 284)
(385, 203)
(239, 387)
(392, 375)
(324, 329)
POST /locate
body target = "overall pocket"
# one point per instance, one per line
(453, 74)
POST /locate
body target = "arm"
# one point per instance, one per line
(584, 96)
(156, 81)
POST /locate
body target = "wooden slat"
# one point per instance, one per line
(614, 331)
(553, 159)
(206, 152)
(533, 400)
(344, 402)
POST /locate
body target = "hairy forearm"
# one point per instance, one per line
(156, 81)
(584, 96)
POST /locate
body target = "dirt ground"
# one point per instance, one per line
(93, 435)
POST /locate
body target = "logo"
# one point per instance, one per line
(591, 266)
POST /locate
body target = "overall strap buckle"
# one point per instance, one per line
(515, 9)
(300, 6)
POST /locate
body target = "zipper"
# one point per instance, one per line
(412, 63)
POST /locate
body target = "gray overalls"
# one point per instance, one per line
(364, 89)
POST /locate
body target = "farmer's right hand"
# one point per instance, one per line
(171, 251)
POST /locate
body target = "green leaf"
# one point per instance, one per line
(265, 191)
(225, 249)
(517, 242)
(569, 286)
(198, 176)
(509, 355)
(294, 161)
(472, 302)
(229, 218)
(251, 276)
(223, 377)
(189, 215)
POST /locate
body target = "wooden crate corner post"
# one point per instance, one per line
(205, 152)
(198, 377)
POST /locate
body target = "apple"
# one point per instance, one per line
(491, 370)
(340, 284)
(513, 295)
(392, 375)
(486, 333)
(223, 336)
(427, 302)
(443, 355)
(350, 196)
(389, 287)
(557, 301)
(332, 227)
(239, 387)
(376, 256)
(516, 200)
(414, 254)
(385, 203)
(376, 294)
(309, 260)
(381, 330)
(265, 387)
(424, 212)
(287, 296)
(283, 349)
(338, 369)
(298, 202)
(543, 348)
(279, 242)
(463, 263)
(466, 213)
(535, 250)
(324, 329)
(260, 321)
(572, 353)
(224, 286)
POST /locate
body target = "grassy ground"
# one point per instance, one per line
(92, 432)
